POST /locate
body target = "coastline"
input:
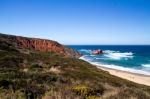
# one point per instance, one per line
(137, 78)
(134, 77)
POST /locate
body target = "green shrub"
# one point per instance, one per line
(82, 90)
(87, 91)
(5, 84)
(35, 66)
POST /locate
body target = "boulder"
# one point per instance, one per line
(97, 52)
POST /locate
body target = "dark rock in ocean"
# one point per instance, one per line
(36, 44)
(97, 52)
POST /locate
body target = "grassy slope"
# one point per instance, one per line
(51, 76)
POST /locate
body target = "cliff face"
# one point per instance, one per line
(37, 45)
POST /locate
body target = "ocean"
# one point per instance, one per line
(131, 58)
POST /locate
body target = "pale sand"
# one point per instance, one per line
(137, 78)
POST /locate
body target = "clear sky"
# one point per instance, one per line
(78, 21)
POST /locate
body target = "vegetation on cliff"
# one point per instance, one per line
(31, 74)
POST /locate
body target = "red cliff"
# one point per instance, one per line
(38, 45)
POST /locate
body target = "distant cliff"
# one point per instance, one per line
(36, 44)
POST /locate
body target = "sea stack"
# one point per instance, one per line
(97, 52)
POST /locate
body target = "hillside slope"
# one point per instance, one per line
(37, 44)
(34, 74)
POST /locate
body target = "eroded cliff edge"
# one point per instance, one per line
(37, 44)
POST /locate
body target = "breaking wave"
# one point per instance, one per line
(111, 54)
(98, 64)
(146, 65)
(117, 54)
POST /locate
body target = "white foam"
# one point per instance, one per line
(146, 65)
(110, 51)
(99, 58)
(117, 67)
(83, 58)
(92, 55)
(117, 54)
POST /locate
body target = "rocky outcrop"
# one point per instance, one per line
(97, 52)
(36, 44)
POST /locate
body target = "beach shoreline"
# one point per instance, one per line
(134, 77)
(128, 75)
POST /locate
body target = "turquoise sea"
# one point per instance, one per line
(132, 58)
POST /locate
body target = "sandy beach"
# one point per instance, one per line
(134, 77)
(137, 78)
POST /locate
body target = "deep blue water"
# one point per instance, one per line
(133, 58)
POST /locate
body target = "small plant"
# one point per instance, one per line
(88, 92)
(82, 90)
(5, 84)
(35, 66)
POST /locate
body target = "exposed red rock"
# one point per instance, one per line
(96, 52)
(38, 45)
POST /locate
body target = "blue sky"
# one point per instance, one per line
(78, 21)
